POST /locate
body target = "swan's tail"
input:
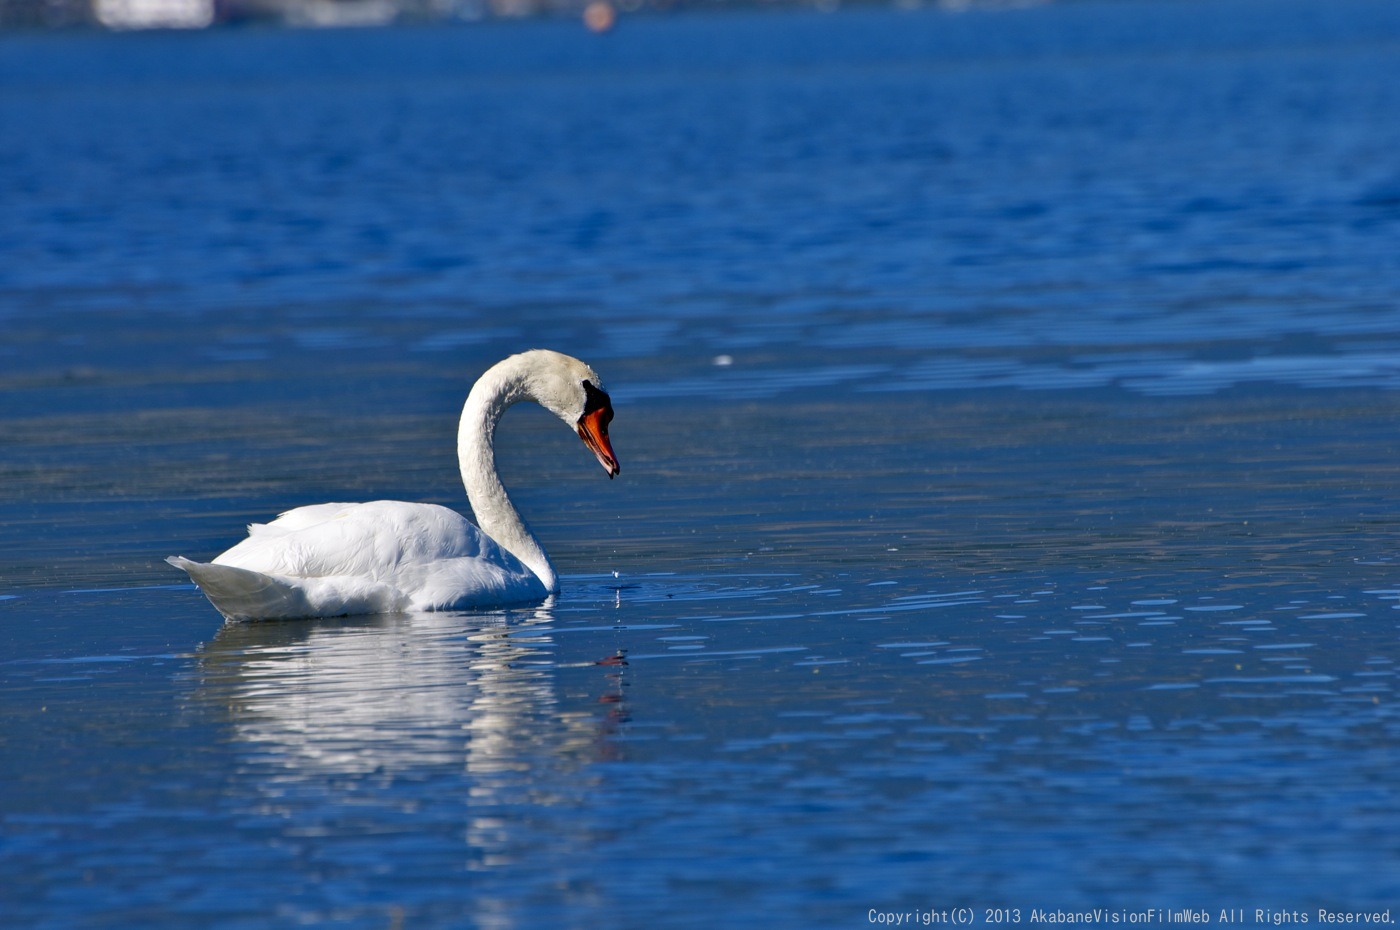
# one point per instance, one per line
(240, 594)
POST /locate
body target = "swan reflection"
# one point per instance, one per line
(396, 693)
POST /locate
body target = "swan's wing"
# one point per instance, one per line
(372, 540)
(300, 518)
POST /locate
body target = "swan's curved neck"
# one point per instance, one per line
(500, 387)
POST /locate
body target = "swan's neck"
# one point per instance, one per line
(500, 387)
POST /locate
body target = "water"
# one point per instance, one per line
(1006, 410)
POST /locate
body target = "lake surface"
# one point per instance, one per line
(1006, 405)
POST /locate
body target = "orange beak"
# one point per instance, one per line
(593, 430)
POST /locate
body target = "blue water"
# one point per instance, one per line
(1006, 406)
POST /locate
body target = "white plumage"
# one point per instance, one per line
(360, 558)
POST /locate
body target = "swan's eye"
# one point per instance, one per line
(595, 399)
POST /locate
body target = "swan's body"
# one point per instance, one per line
(333, 559)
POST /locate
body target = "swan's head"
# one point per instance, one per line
(574, 393)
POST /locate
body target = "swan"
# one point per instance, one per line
(327, 560)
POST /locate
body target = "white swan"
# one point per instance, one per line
(329, 560)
